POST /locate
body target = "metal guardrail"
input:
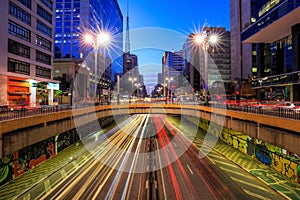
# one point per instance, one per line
(261, 110)
(7, 114)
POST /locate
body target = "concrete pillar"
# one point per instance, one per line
(296, 57)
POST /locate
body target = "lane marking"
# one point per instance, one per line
(237, 173)
(190, 169)
(216, 156)
(250, 184)
(224, 163)
(256, 195)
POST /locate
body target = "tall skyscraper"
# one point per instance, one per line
(130, 63)
(26, 53)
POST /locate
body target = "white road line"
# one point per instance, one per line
(190, 169)
(217, 156)
(224, 163)
(250, 184)
(234, 172)
(256, 195)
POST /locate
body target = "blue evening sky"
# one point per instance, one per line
(174, 20)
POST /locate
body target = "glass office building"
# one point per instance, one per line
(275, 35)
(74, 17)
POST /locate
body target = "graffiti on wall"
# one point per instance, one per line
(235, 139)
(29, 157)
(263, 154)
(6, 169)
(285, 166)
(14, 165)
(271, 155)
(266, 153)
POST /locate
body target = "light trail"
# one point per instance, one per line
(114, 186)
(178, 162)
(135, 158)
(160, 135)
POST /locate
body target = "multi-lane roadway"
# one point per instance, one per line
(145, 157)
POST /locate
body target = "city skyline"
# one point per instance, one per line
(192, 17)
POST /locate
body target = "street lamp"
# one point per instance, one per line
(203, 41)
(101, 40)
(137, 85)
(132, 80)
(169, 79)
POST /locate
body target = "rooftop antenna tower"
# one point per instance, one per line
(127, 43)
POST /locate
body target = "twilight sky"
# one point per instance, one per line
(171, 22)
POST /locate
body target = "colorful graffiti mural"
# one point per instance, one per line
(14, 165)
(268, 154)
(6, 169)
(285, 166)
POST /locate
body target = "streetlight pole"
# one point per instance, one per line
(118, 89)
(203, 42)
(132, 80)
(102, 39)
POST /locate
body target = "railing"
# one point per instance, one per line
(262, 110)
(7, 114)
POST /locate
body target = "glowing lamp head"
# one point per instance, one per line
(213, 39)
(103, 38)
(199, 38)
(88, 38)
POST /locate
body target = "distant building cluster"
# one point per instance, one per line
(199, 66)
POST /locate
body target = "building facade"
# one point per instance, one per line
(275, 38)
(172, 71)
(242, 15)
(191, 58)
(73, 20)
(26, 56)
(131, 75)
(204, 70)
